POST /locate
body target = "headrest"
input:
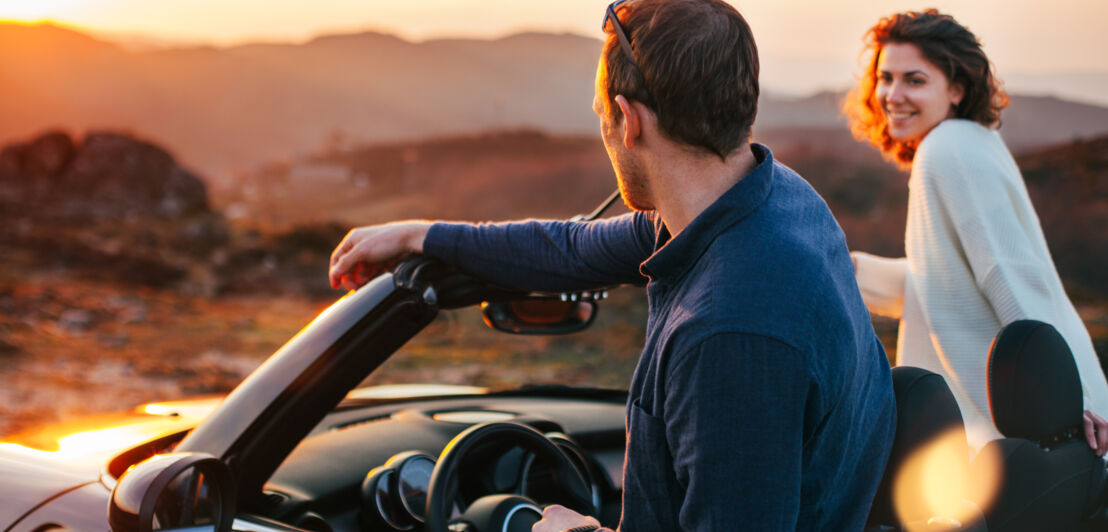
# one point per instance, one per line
(925, 410)
(1034, 387)
(1041, 490)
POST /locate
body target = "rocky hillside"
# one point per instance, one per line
(528, 173)
(105, 175)
(110, 207)
(1069, 185)
(123, 278)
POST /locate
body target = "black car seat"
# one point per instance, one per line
(925, 411)
(1050, 478)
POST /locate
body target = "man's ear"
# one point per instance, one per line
(632, 122)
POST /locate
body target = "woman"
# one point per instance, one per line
(976, 255)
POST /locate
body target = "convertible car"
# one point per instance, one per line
(297, 446)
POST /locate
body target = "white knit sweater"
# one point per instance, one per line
(976, 260)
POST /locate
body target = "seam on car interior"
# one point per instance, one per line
(362, 421)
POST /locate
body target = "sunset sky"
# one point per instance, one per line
(805, 44)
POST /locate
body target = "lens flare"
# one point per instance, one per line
(934, 484)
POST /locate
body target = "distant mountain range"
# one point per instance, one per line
(234, 108)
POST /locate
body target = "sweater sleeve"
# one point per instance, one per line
(734, 416)
(881, 281)
(548, 255)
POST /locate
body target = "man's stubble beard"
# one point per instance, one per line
(633, 186)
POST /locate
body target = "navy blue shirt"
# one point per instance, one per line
(762, 400)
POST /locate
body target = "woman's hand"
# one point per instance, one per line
(369, 251)
(1096, 432)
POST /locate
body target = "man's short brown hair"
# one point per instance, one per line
(700, 66)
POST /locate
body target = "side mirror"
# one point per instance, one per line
(180, 491)
(542, 314)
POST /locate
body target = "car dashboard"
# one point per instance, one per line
(368, 467)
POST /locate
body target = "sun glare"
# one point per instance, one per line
(98, 440)
(91, 442)
(35, 11)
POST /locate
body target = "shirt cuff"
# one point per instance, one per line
(441, 241)
(882, 282)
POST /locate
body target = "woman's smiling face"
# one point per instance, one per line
(913, 93)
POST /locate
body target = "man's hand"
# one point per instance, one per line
(1096, 432)
(560, 519)
(368, 251)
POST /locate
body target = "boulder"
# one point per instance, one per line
(110, 207)
(107, 176)
(117, 175)
(30, 170)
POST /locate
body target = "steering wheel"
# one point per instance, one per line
(501, 511)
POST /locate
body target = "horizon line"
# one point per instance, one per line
(150, 43)
(158, 43)
(147, 42)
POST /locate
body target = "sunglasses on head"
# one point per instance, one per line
(625, 43)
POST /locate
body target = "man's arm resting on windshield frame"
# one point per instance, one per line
(548, 255)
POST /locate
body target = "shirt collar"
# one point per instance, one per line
(672, 258)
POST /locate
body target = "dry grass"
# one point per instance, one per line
(71, 348)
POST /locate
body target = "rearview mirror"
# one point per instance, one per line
(181, 491)
(542, 314)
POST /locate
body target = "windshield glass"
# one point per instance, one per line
(459, 349)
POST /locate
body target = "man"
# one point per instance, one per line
(762, 400)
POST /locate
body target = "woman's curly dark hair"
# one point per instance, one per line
(949, 46)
